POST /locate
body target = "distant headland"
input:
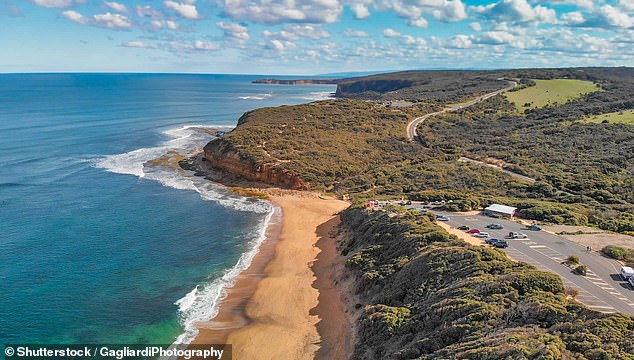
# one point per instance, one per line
(298, 81)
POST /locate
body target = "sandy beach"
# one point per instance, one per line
(286, 305)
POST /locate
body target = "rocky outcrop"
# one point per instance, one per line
(222, 155)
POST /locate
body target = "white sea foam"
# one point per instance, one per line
(318, 95)
(185, 141)
(203, 302)
(256, 97)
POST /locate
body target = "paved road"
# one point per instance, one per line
(601, 289)
(413, 125)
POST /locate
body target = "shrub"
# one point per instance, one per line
(619, 253)
(572, 260)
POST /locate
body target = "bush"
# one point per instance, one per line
(572, 260)
(619, 253)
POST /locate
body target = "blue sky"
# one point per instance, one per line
(311, 36)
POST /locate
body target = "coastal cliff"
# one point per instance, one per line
(222, 155)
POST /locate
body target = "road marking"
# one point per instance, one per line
(537, 246)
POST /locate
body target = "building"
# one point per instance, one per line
(500, 210)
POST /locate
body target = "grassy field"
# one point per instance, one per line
(547, 92)
(622, 117)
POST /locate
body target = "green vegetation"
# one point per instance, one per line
(427, 295)
(619, 253)
(621, 117)
(550, 92)
(572, 260)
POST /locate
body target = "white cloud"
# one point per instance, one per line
(73, 15)
(279, 45)
(499, 37)
(296, 31)
(206, 46)
(53, 3)
(586, 4)
(187, 10)
(414, 10)
(573, 18)
(172, 25)
(159, 24)
(416, 42)
(234, 30)
(391, 33)
(281, 11)
(147, 11)
(112, 21)
(517, 11)
(460, 42)
(450, 11)
(116, 6)
(614, 17)
(476, 26)
(627, 5)
(351, 33)
(139, 44)
(420, 22)
(360, 11)
(195, 46)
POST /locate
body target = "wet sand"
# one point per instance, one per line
(286, 305)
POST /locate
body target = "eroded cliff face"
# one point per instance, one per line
(222, 155)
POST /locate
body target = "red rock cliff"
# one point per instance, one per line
(222, 155)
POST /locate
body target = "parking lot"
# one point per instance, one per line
(601, 289)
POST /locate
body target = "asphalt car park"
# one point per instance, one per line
(602, 288)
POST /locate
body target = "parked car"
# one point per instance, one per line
(495, 227)
(482, 235)
(473, 231)
(626, 272)
(534, 228)
(517, 235)
(464, 227)
(442, 218)
(491, 241)
(502, 244)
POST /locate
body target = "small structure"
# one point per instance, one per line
(500, 210)
(220, 133)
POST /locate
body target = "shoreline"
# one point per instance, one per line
(231, 307)
(288, 301)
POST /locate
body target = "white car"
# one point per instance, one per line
(482, 235)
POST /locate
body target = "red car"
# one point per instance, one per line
(473, 231)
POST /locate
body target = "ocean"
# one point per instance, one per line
(103, 238)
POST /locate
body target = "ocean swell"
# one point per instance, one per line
(160, 164)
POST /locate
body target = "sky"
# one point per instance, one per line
(304, 37)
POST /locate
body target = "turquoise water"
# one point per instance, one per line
(97, 244)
